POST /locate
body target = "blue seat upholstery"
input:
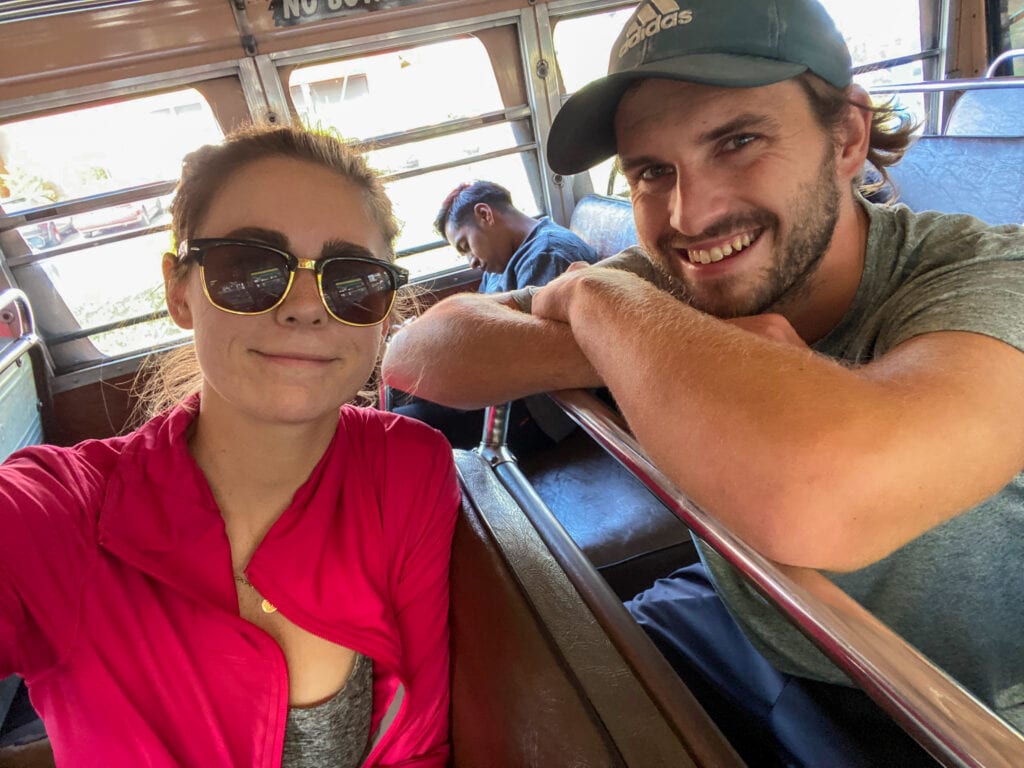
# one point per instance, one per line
(988, 112)
(604, 222)
(958, 174)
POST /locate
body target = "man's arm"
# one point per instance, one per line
(469, 351)
(813, 463)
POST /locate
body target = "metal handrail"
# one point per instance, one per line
(948, 721)
(965, 84)
(1004, 56)
(28, 338)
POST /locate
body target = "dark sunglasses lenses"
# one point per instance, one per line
(357, 292)
(242, 278)
(249, 279)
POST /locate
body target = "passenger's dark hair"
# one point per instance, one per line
(457, 207)
(170, 378)
(891, 129)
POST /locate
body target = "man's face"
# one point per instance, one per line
(734, 191)
(481, 241)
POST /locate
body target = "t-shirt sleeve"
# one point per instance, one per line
(541, 269)
(47, 505)
(980, 294)
(431, 497)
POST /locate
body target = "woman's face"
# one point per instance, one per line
(295, 364)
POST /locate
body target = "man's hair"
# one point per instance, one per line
(457, 207)
(891, 129)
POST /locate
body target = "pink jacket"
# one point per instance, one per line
(118, 604)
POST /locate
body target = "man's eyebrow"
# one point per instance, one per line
(744, 122)
(627, 164)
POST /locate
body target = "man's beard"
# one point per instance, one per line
(787, 278)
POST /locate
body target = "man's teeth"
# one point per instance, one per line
(719, 252)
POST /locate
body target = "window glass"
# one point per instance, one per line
(582, 47)
(105, 267)
(463, 144)
(1014, 35)
(583, 44)
(385, 94)
(109, 284)
(392, 92)
(87, 151)
(871, 41)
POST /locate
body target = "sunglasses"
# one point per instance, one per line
(245, 277)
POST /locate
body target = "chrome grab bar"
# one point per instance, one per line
(10, 301)
(966, 84)
(948, 721)
(1013, 53)
(494, 441)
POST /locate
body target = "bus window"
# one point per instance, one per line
(872, 42)
(582, 46)
(423, 136)
(93, 275)
(1010, 34)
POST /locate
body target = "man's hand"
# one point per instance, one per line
(554, 301)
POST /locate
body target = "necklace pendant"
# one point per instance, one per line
(268, 607)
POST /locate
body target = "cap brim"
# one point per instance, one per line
(583, 132)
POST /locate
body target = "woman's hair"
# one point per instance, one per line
(171, 377)
(891, 129)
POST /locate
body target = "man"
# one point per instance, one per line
(840, 383)
(515, 251)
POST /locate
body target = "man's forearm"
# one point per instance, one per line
(469, 351)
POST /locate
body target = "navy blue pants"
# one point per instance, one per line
(771, 718)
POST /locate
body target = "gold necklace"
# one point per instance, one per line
(265, 605)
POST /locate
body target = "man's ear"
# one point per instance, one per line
(483, 213)
(854, 134)
(174, 288)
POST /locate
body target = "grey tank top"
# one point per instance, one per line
(335, 733)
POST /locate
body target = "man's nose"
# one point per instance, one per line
(698, 200)
(475, 263)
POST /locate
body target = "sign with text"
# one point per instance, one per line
(287, 13)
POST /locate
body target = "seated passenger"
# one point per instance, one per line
(259, 574)
(839, 382)
(515, 251)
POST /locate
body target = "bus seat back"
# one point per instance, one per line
(988, 112)
(20, 416)
(606, 223)
(980, 176)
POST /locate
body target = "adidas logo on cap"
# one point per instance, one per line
(652, 18)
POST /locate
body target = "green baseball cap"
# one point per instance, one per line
(727, 43)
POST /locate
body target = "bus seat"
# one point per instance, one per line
(987, 112)
(538, 679)
(625, 531)
(606, 223)
(981, 176)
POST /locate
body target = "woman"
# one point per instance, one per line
(252, 577)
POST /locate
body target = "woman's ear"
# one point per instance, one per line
(174, 288)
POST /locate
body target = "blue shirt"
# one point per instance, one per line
(546, 253)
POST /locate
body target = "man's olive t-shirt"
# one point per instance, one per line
(956, 592)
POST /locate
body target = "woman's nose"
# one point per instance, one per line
(303, 303)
